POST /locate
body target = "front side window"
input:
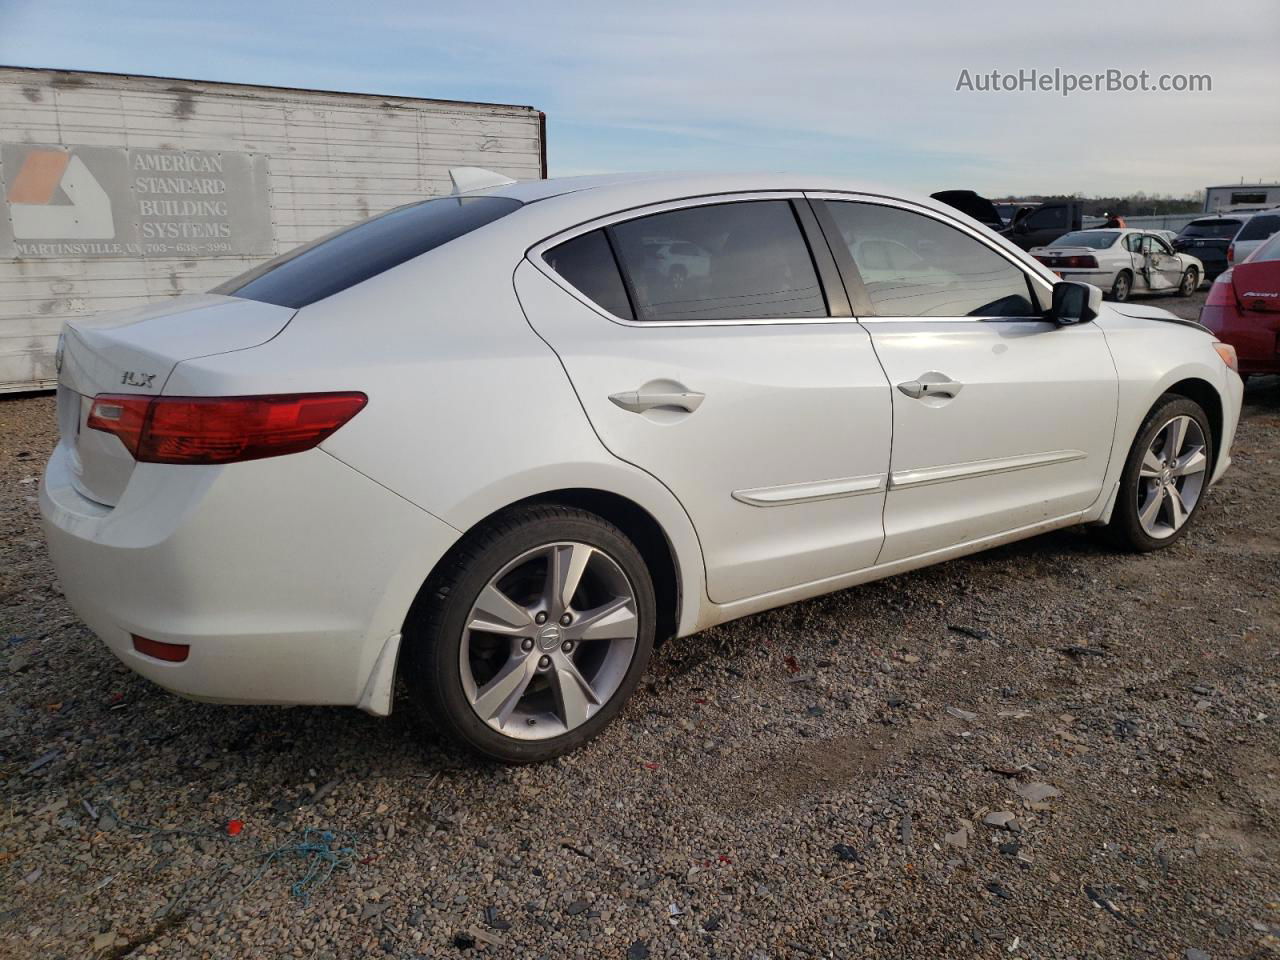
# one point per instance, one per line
(728, 261)
(354, 254)
(915, 266)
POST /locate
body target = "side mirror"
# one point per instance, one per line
(1074, 303)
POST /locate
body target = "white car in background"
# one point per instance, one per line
(477, 443)
(1253, 233)
(1122, 262)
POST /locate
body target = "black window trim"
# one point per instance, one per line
(1040, 294)
(536, 256)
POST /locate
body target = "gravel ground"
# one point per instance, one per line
(1047, 750)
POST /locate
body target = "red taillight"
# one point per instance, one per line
(172, 652)
(1221, 293)
(1231, 252)
(1068, 263)
(221, 429)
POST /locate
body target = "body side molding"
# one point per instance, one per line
(980, 468)
(808, 492)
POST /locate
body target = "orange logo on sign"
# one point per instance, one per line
(32, 195)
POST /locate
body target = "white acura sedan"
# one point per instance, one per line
(1122, 262)
(486, 444)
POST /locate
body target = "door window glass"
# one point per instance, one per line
(588, 264)
(1046, 219)
(726, 261)
(916, 266)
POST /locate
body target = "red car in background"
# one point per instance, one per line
(1243, 309)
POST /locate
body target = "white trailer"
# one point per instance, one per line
(121, 189)
(1241, 196)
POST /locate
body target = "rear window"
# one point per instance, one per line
(1211, 229)
(354, 254)
(1268, 251)
(1093, 239)
(1259, 227)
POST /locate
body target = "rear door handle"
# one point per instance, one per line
(638, 401)
(931, 384)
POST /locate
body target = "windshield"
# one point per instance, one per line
(1212, 229)
(354, 254)
(1094, 239)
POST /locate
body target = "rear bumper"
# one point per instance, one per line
(1255, 335)
(286, 577)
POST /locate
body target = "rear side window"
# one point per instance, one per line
(914, 266)
(587, 263)
(728, 261)
(1259, 227)
(354, 254)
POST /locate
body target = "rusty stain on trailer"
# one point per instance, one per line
(184, 105)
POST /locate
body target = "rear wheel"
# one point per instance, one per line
(1122, 286)
(1165, 476)
(1190, 282)
(533, 635)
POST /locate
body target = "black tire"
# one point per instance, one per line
(1190, 282)
(434, 628)
(1122, 286)
(1125, 529)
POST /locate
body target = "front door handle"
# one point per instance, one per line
(931, 384)
(638, 401)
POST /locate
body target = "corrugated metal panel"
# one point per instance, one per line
(331, 159)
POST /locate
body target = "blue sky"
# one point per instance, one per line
(860, 89)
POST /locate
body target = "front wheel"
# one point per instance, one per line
(533, 634)
(1165, 476)
(1190, 282)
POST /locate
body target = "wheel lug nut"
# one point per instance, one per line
(566, 620)
(526, 644)
(567, 646)
(540, 619)
(544, 662)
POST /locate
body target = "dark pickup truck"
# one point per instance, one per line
(1036, 227)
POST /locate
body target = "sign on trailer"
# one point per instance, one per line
(77, 201)
(118, 190)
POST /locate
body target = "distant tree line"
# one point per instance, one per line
(1133, 205)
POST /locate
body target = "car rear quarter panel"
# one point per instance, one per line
(469, 410)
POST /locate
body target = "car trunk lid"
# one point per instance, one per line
(133, 352)
(1257, 285)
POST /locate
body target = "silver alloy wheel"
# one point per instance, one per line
(1172, 477)
(1120, 289)
(1190, 280)
(549, 640)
